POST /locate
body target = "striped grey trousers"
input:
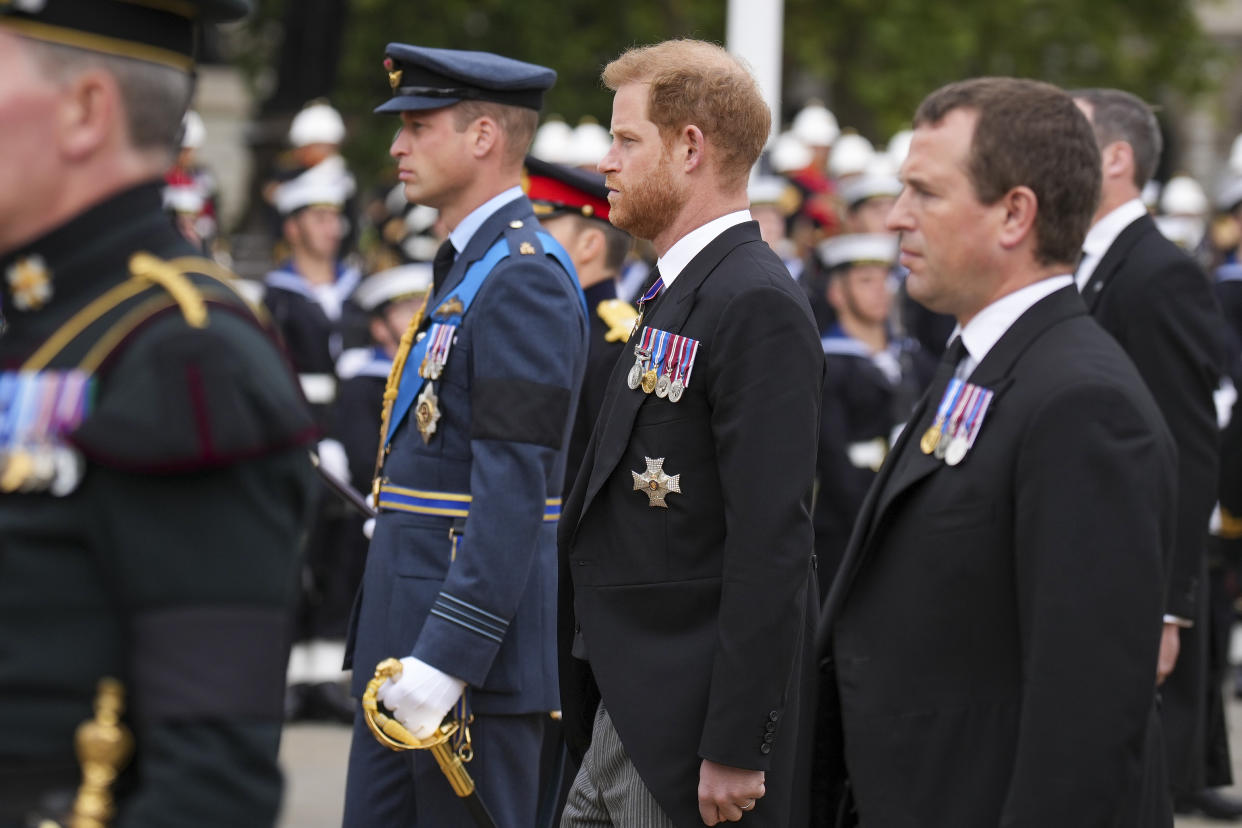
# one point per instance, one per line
(608, 791)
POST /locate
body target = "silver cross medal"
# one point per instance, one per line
(655, 483)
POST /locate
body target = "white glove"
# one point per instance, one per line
(334, 460)
(422, 697)
(368, 526)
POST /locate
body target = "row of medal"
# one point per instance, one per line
(958, 419)
(440, 338)
(663, 363)
(37, 411)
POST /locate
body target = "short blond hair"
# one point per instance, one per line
(699, 83)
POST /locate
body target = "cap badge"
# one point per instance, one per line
(394, 75)
(526, 248)
(30, 283)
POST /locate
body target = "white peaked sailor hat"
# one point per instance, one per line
(858, 248)
(401, 282)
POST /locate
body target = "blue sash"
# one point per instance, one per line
(411, 382)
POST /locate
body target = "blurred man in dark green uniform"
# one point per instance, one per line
(153, 469)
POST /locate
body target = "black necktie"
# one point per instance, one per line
(442, 264)
(944, 372)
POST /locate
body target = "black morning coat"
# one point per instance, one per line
(698, 619)
(1159, 306)
(991, 638)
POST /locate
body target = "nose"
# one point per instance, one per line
(899, 216)
(608, 163)
(397, 149)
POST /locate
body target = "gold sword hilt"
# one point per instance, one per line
(395, 736)
(104, 744)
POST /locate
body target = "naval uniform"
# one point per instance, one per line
(867, 397)
(168, 558)
(461, 572)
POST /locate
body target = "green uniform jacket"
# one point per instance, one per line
(172, 564)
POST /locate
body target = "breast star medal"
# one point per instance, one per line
(427, 412)
(655, 483)
(30, 283)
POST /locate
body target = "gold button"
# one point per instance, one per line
(516, 224)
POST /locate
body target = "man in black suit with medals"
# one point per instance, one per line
(992, 633)
(1158, 304)
(687, 596)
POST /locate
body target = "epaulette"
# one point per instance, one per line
(193, 378)
(523, 238)
(619, 316)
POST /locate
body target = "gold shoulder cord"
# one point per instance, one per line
(200, 264)
(104, 745)
(146, 270)
(394, 382)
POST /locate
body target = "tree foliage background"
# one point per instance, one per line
(871, 61)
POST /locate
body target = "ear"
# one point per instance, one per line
(692, 145)
(485, 136)
(90, 114)
(590, 245)
(1020, 207)
(1117, 160)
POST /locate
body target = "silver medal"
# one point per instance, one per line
(635, 376)
(663, 385)
(675, 390)
(956, 450)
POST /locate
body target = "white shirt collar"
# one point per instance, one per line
(987, 327)
(673, 262)
(1102, 235)
(465, 230)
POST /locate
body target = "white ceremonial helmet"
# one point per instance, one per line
(1235, 156)
(899, 147)
(815, 126)
(193, 132)
(1182, 196)
(317, 123)
(789, 154)
(554, 141)
(590, 143)
(850, 155)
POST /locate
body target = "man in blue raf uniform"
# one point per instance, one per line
(460, 577)
(153, 467)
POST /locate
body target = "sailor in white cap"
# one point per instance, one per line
(772, 201)
(816, 129)
(1183, 213)
(308, 294)
(316, 134)
(190, 189)
(868, 197)
(871, 383)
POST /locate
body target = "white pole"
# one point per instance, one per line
(754, 33)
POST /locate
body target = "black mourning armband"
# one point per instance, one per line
(519, 411)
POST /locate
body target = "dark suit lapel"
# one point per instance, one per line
(517, 210)
(907, 464)
(1114, 258)
(668, 313)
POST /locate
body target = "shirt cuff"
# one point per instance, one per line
(1184, 623)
